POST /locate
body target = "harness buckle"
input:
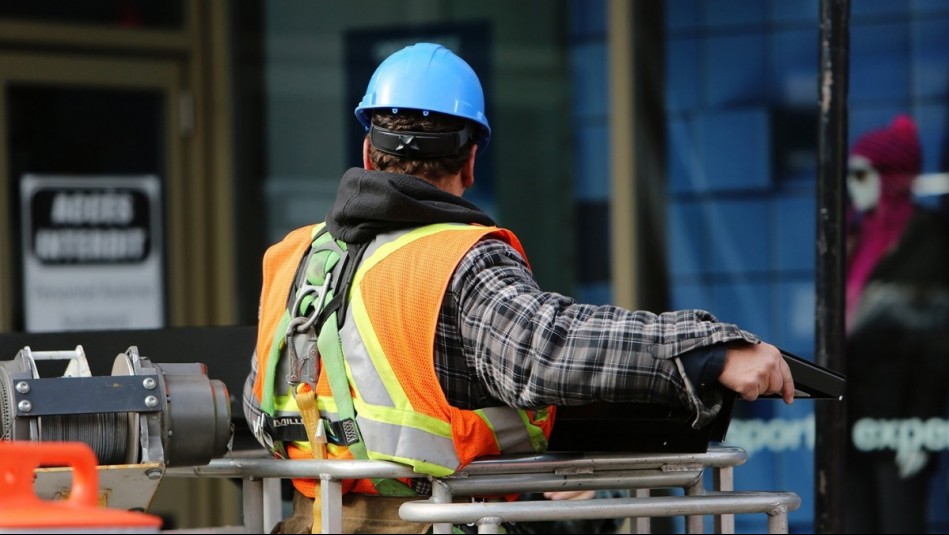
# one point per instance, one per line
(342, 432)
(304, 368)
(258, 428)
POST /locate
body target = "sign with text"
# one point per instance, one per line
(92, 252)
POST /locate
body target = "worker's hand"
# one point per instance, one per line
(754, 370)
(570, 495)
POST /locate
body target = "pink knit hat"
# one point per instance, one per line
(893, 149)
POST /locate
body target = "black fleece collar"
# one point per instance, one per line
(372, 202)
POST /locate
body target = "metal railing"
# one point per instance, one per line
(517, 474)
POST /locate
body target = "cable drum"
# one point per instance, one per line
(106, 433)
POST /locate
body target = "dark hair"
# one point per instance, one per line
(415, 121)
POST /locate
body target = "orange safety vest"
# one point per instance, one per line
(387, 341)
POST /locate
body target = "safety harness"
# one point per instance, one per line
(312, 339)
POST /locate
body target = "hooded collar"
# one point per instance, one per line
(372, 202)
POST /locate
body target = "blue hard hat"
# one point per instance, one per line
(426, 77)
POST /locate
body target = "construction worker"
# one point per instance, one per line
(415, 324)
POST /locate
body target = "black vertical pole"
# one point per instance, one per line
(831, 438)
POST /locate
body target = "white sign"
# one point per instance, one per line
(92, 252)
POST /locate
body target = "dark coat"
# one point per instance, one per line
(898, 349)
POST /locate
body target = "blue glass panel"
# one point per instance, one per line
(591, 176)
(689, 295)
(686, 173)
(736, 149)
(932, 6)
(878, 62)
(795, 317)
(735, 67)
(862, 9)
(682, 74)
(588, 75)
(800, 11)
(933, 123)
(731, 13)
(931, 58)
(739, 235)
(746, 303)
(681, 14)
(687, 239)
(795, 230)
(587, 18)
(794, 64)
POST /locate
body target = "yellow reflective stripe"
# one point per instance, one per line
(421, 467)
(403, 417)
(285, 403)
(327, 405)
(375, 353)
(386, 249)
(288, 403)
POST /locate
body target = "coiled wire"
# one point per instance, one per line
(106, 433)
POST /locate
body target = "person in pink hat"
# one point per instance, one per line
(897, 317)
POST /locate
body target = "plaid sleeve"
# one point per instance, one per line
(531, 348)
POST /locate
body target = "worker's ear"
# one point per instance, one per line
(467, 172)
(366, 160)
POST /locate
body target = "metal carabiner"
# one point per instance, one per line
(300, 324)
(316, 306)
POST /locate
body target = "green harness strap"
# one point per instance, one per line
(329, 255)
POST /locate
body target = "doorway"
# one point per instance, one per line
(83, 118)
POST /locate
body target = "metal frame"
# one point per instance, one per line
(515, 474)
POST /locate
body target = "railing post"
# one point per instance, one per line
(271, 503)
(252, 499)
(331, 505)
(723, 479)
(441, 494)
(642, 524)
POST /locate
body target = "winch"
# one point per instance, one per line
(139, 420)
